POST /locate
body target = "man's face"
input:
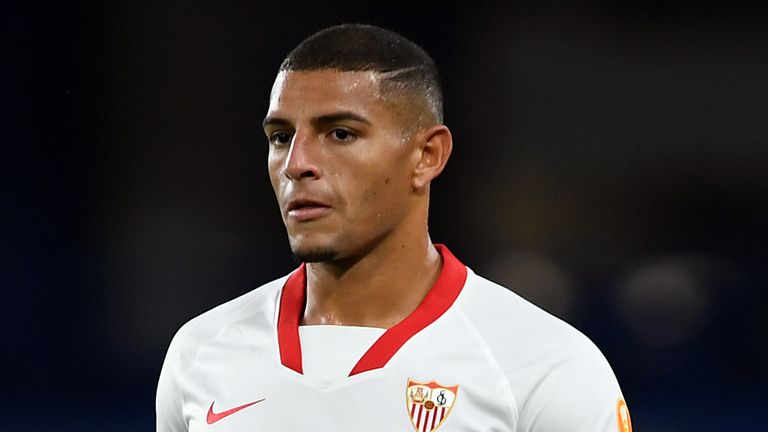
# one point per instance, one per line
(339, 162)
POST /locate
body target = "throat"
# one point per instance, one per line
(378, 296)
(361, 306)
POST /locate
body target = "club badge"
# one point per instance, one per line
(429, 404)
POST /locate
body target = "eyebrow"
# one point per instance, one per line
(319, 120)
(340, 116)
(274, 121)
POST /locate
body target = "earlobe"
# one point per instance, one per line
(435, 146)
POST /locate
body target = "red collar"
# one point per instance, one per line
(439, 298)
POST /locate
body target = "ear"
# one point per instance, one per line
(435, 145)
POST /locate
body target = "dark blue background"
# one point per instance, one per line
(610, 165)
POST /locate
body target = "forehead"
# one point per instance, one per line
(314, 92)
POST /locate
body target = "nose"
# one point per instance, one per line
(301, 162)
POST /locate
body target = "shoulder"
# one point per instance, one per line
(503, 317)
(558, 377)
(517, 331)
(255, 306)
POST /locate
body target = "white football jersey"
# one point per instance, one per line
(473, 356)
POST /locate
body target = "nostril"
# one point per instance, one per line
(298, 175)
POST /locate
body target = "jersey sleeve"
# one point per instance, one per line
(168, 402)
(579, 393)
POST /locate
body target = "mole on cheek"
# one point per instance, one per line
(387, 181)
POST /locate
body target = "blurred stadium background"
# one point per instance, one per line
(610, 165)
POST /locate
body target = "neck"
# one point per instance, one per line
(379, 289)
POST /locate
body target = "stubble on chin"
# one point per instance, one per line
(315, 255)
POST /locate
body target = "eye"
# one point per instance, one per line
(344, 135)
(280, 138)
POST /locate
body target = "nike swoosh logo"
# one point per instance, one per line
(214, 417)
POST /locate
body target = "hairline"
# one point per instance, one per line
(387, 84)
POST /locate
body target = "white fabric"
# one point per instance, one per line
(329, 352)
(517, 369)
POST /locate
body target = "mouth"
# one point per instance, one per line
(303, 210)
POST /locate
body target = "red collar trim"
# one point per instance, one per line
(438, 300)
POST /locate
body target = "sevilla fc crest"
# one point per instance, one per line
(429, 404)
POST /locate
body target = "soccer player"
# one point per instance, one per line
(378, 329)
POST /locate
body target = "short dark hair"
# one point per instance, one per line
(361, 47)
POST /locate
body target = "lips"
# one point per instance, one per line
(304, 209)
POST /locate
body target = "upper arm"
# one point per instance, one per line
(578, 393)
(168, 401)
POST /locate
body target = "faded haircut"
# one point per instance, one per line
(405, 68)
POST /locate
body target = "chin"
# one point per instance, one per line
(314, 255)
(311, 252)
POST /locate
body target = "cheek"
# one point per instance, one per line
(376, 184)
(273, 167)
(383, 194)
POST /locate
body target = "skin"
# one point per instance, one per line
(339, 146)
